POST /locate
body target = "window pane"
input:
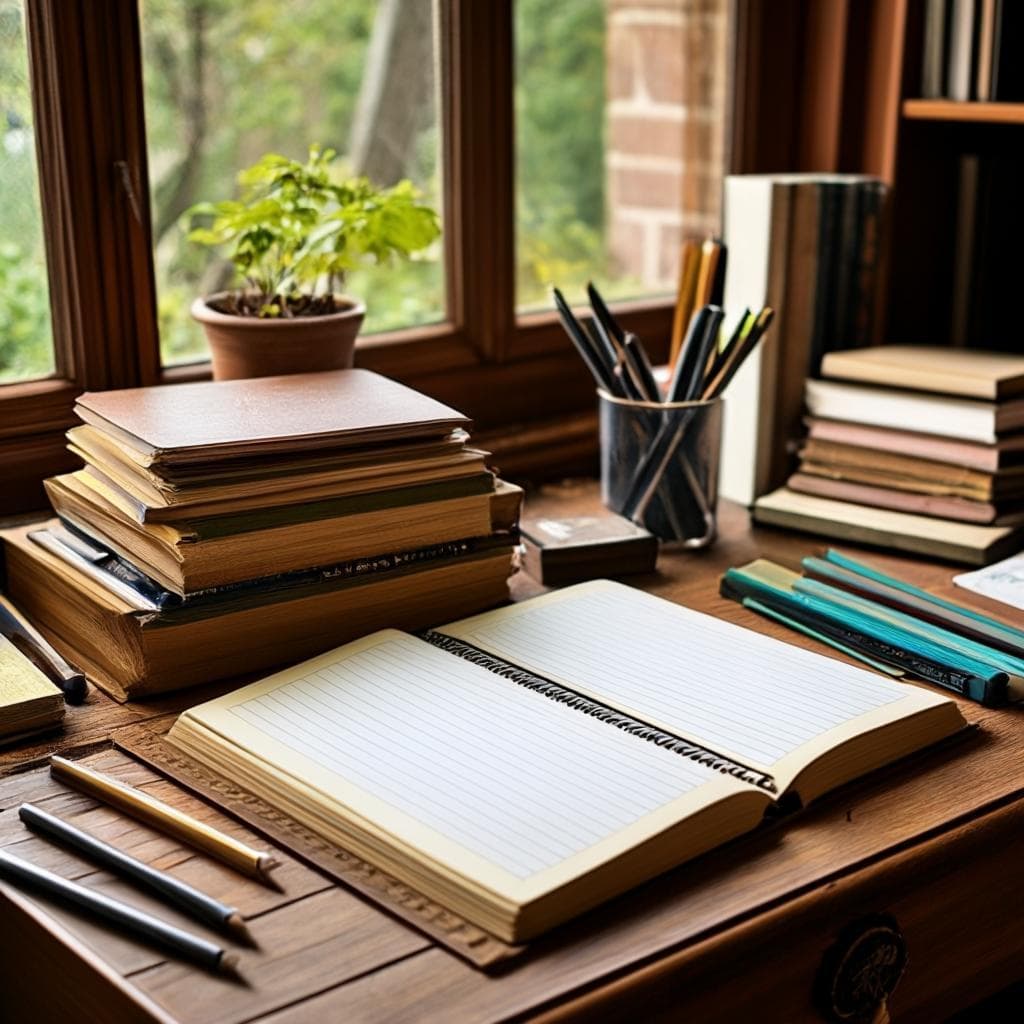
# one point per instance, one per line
(26, 341)
(229, 80)
(620, 127)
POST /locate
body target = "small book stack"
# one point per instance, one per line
(916, 448)
(221, 528)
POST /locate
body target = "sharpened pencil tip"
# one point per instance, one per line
(236, 923)
(228, 964)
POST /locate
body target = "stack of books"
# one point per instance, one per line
(915, 448)
(221, 528)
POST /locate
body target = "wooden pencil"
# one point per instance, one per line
(163, 817)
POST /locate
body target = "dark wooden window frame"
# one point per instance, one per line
(516, 376)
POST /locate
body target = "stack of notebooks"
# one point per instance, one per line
(916, 448)
(220, 528)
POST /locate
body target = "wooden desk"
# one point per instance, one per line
(936, 843)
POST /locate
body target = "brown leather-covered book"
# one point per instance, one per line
(184, 423)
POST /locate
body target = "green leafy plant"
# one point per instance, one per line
(296, 232)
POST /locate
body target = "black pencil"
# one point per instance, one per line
(25, 875)
(192, 901)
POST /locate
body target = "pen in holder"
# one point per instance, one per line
(659, 465)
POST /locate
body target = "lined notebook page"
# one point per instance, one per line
(515, 778)
(729, 688)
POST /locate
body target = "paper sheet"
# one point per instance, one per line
(1003, 581)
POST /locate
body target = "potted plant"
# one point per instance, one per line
(292, 237)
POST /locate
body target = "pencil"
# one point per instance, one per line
(25, 875)
(689, 267)
(163, 817)
(192, 901)
(709, 254)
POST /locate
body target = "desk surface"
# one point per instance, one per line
(935, 843)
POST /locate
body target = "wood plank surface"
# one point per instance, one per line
(327, 955)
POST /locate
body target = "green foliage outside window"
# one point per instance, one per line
(227, 81)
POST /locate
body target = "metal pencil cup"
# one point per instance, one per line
(659, 466)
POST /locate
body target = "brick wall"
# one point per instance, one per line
(666, 130)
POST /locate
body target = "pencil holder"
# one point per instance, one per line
(659, 465)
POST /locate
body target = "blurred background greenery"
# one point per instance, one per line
(228, 80)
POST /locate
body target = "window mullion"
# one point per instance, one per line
(480, 200)
(86, 77)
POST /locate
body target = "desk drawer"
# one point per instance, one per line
(955, 898)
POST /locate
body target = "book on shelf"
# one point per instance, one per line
(592, 738)
(954, 541)
(971, 50)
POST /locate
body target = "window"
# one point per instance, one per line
(620, 132)
(26, 346)
(514, 118)
(226, 83)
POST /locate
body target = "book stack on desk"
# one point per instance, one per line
(915, 448)
(220, 528)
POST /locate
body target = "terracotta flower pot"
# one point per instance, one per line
(249, 346)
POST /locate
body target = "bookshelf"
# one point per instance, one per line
(956, 215)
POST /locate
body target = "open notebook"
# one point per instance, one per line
(523, 765)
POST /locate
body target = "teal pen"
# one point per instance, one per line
(997, 659)
(1008, 633)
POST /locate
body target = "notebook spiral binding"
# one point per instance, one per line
(579, 702)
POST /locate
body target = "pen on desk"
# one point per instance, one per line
(161, 816)
(26, 875)
(27, 639)
(192, 901)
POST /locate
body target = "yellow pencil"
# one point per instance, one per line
(164, 817)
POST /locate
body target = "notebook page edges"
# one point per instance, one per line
(759, 701)
(512, 792)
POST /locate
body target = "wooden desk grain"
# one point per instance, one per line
(737, 935)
